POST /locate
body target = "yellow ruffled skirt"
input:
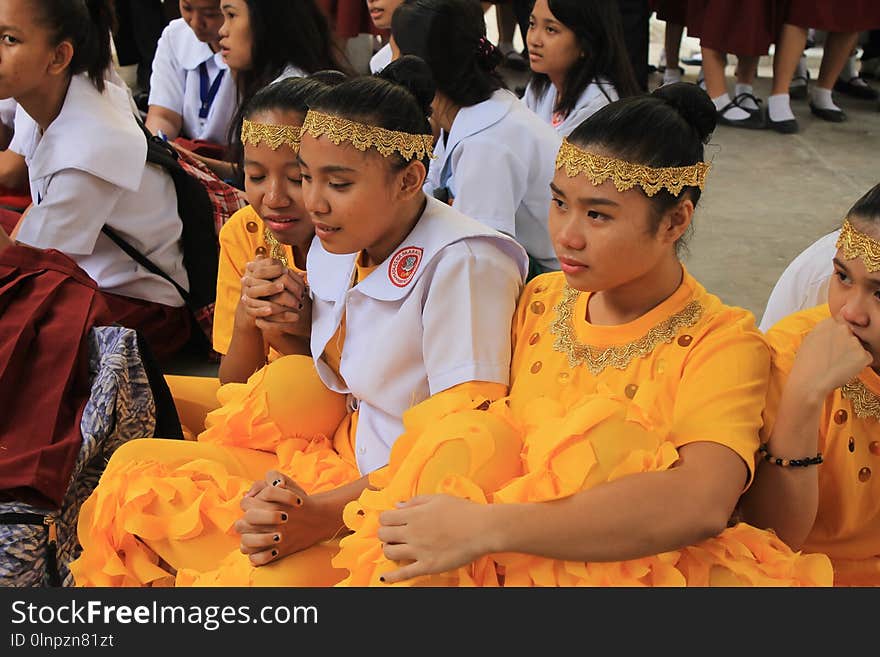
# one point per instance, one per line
(564, 450)
(164, 510)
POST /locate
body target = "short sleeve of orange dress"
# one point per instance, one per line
(242, 239)
(700, 366)
(785, 338)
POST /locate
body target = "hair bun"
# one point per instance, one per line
(694, 105)
(414, 74)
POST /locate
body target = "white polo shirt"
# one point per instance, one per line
(497, 163)
(89, 169)
(435, 314)
(594, 97)
(176, 83)
(381, 59)
(804, 283)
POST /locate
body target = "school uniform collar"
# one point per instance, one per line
(193, 52)
(472, 120)
(438, 227)
(87, 123)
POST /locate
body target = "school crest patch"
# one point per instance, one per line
(404, 265)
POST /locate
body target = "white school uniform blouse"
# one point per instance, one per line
(89, 169)
(497, 163)
(435, 314)
(804, 283)
(176, 83)
(381, 59)
(595, 97)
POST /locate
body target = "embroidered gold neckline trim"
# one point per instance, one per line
(625, 175)
(618, 356)
(363, 136)
(864, 402)
(276, 248)
(856, 244)
(273, 135)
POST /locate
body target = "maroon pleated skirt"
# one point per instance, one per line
(671, 11)
(833, 15)
(348, 17)
(739, 27)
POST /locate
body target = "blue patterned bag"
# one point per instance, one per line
(36, 545)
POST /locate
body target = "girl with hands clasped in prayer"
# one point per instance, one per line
(817, 483)
(408, 300)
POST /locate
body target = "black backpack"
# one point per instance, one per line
(200, 243)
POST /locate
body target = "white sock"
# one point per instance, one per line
(779, 108)
(746, 103)
(850, 70)
(800, 73)
(671, 75)
(821, 98)
(732, 114)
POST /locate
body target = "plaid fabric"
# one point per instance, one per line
(227, 200)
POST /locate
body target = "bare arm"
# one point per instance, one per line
(786, 499)
(165, 120)
(13, 170)
(634, 516)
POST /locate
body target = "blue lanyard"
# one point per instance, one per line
(207, 95)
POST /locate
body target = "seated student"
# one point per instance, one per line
(192, 92)
(263, 41)
(494, 156)
(637, 395)
(388, 261)
(381, 12)
(804, 283)
(261, 246)
(86, 159)
(579, 62)
(816, 485)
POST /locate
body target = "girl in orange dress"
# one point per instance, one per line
(821, 440)
(392, 318)
(637, 396)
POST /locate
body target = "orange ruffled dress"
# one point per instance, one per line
(847, 526)
(592, 404)
(166, 507)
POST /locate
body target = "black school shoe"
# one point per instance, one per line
(755, 120)
(834, 116)
(856, 90)
(787, 127)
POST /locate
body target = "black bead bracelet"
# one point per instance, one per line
(785, 463)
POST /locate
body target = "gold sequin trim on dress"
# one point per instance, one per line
(855, 244)
(618, 356)
(864, 402)
(273, 135)
(363, 136)
(276, 248)
(625, 175)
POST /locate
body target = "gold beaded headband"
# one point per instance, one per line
(855, 244)
(273, 135)
(363, 136)
(626, 175)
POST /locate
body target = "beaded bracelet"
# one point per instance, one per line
(802, 463)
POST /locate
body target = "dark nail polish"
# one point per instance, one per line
(274, 553)
(299, 501)
(276, 538)
(284, 517)
(382, 579)
(276, 482)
